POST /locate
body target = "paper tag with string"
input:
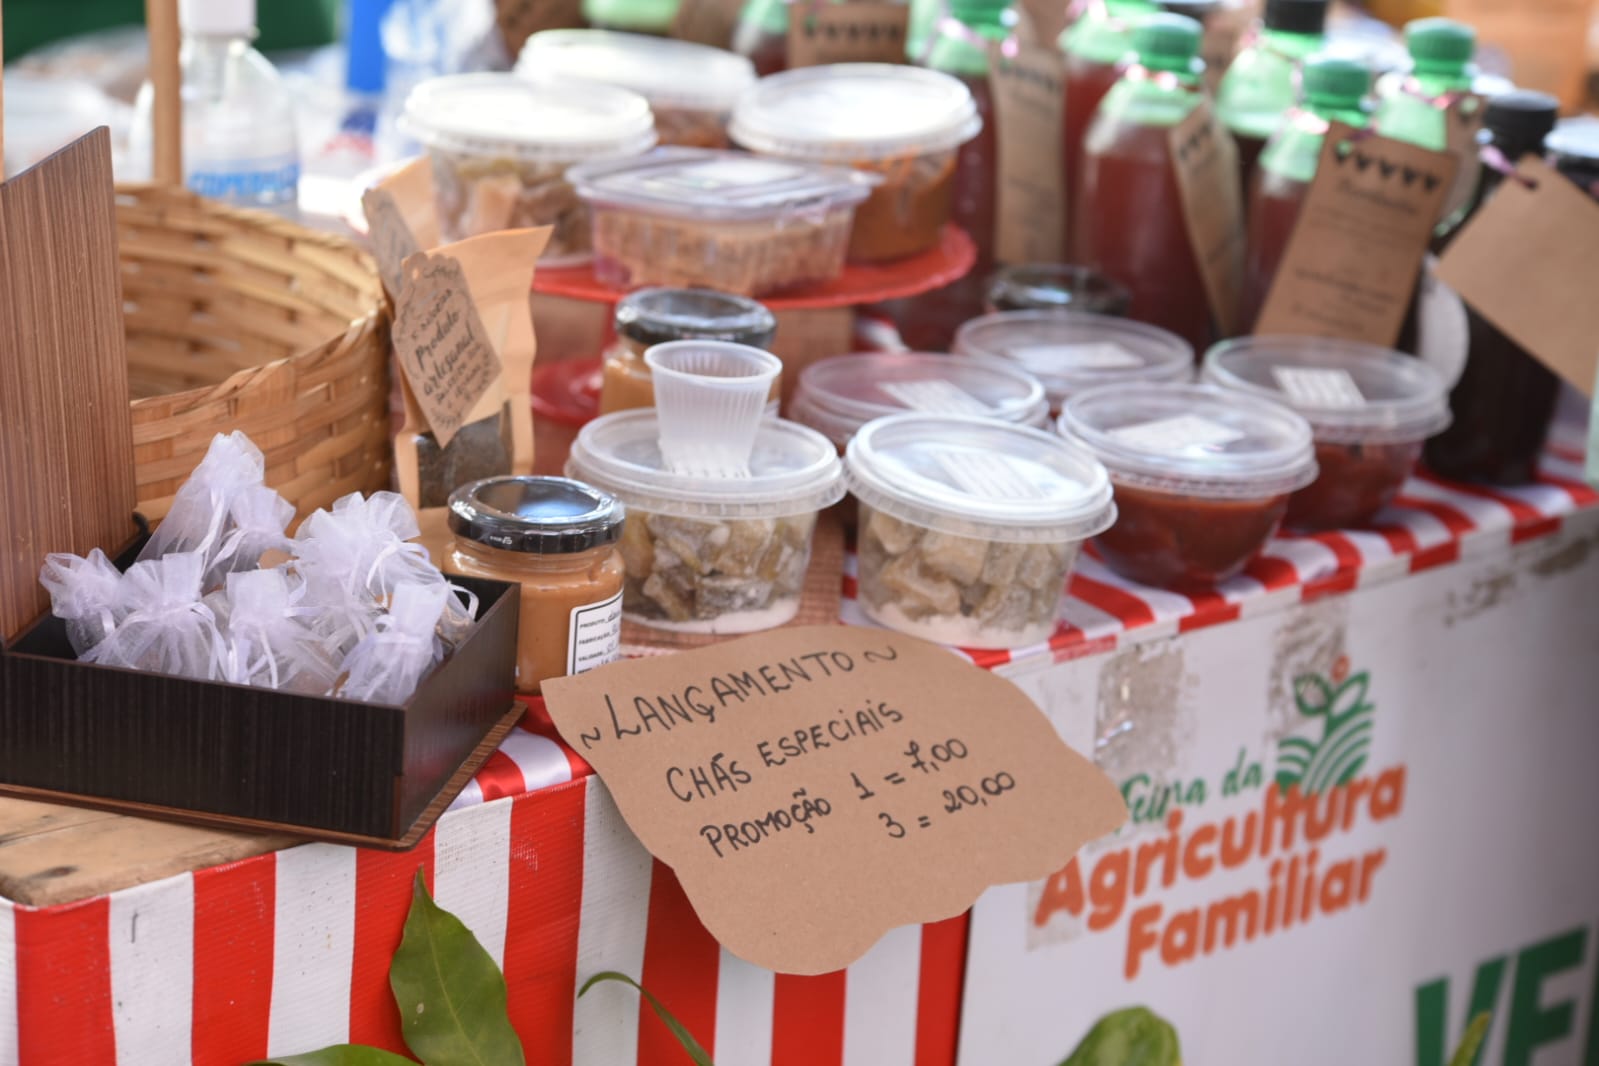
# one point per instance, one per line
(1206, 160)
(1525, 262)
(441, 343)
(1356, 249)
(1027, 84)
(868, 31)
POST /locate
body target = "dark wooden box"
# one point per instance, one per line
(246, 757)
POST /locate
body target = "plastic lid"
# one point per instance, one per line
(975, 477)
(650, 15)
(1167, 42)
(666, 72)
(849, 111)
(703, 183)
(1347, 391)
(1296, 16)
(1337, 82)
(538, 515)
(1519, 121)
(1575, 138)
(839, 395)
(793, 470)
(505, 114)
(1440, 43)
(656, 316)
(1197, 440)
(1069, 351)
(1056, 287)
(217, 18)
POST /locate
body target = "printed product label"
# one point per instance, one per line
(594, 635)
(936, 397)
(1172, 435)
(1318, 386)
(987, 475)
(274, 180)
(1052, 358)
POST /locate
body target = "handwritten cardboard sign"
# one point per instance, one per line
(815, 787)
(1029, 96)
(1353, 258)
(1526, 262)
(441, 343)
(392, 240)
(865, 31)
(1206, 161)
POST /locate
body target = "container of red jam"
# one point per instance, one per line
(1202, 476)
(1369, 408)
(838, 396)
(1069, 351)
(969, 527)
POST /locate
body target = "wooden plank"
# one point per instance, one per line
(66, 444)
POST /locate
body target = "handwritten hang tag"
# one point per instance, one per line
(1206, 161)
(1027, 86)
(1357, 246)
(1462, 122)
(815, 787)
(868, 31)
(441, 344)
(392, 240)
(1526, 261)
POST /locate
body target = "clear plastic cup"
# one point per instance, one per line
(1202, 476)
(711, 554)
(691, 87)
(711, 396)
(649, 317)
(500, 148)
(968, 527)
(1069, 351)
(1369, 408)
(901, 123)
(837, 396)
(721, 220)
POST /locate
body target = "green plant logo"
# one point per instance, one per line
(1346, 719)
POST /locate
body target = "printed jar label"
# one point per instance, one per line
(987, 475)
(936, 397)
(1318, 386)
(1097, 355)
(1172, 435)
(594, 635)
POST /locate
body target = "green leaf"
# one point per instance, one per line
(450, 994)
(341, 1055)
(1471, 1043)
(676, 1027)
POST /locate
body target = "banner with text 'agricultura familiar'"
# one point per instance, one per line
(1356, 823)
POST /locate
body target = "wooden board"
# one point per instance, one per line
(66, 442)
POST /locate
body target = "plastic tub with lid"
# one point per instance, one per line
(837, 396)
(500, 148)
(1069, 351)
(968, 527)
(722, 220)
(659, 316)
(711, 555)
(901, 123)
(1369, 408)
(1202, 476)
(690, 87)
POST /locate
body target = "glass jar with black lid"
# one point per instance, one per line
(655, 316)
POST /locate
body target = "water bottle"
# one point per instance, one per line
(239, 142)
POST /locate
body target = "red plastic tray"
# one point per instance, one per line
(861, 283)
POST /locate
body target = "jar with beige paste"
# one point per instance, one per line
(557, 539)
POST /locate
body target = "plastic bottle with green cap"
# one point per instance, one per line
(1505, 398)
(1412, 108)
(1094, 46)
(1335, 89)
(633, 16)
(959, 48)
(1129, 212)
(1258, 88)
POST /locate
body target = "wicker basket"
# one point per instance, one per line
(239, 320)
